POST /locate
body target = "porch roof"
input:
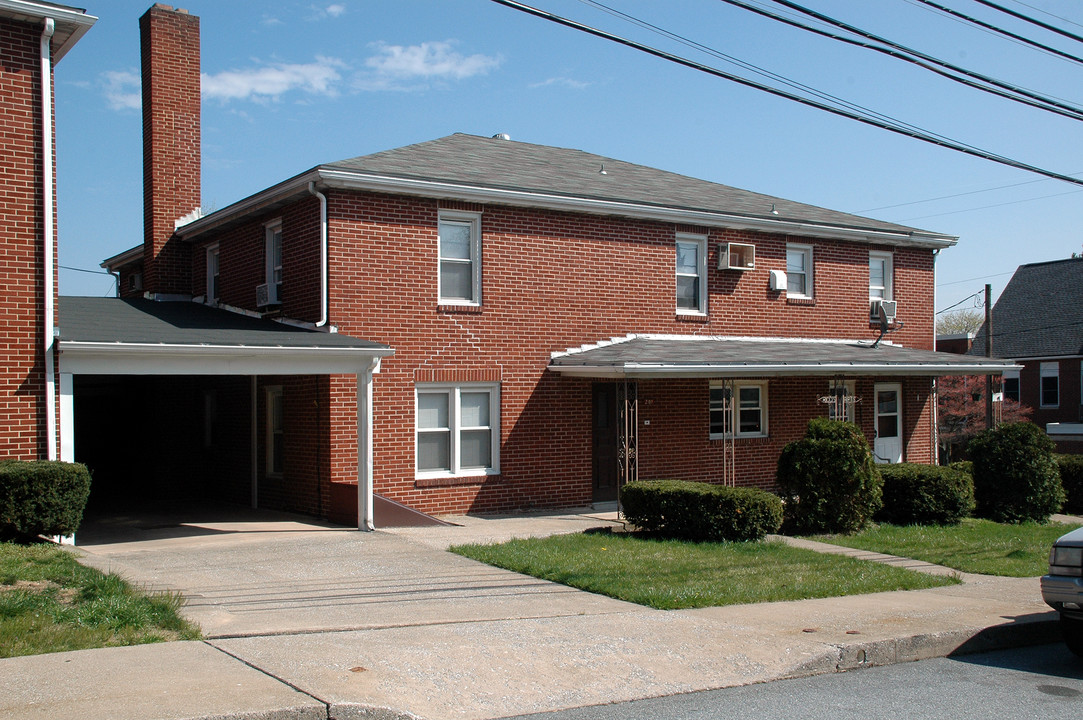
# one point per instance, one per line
(660, 356)
(139, 336)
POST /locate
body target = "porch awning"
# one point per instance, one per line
(659, 356)
(137, 336)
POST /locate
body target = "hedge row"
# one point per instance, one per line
(917, 494)
(700, 511)
(1071, 477)
(42, 498)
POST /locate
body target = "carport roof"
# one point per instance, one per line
(144, 336)
(658, 356)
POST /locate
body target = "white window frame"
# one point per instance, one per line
(1048, 370)
(272, 271)
(473, 222)
(273, 394)
(735, 409)
(213, 273)
(700, 242)
(455, 429)
(887, 289)
(806, 252)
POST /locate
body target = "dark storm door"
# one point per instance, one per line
(606, 439)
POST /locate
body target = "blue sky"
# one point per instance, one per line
(289, 85)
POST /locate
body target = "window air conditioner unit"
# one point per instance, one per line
(736, 256)
(889, 308)
(267, 294)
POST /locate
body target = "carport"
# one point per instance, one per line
(148, 338)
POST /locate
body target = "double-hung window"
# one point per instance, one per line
(212, 273)
(841, 403)
(691, 274)
(273, 260)
(276, 446)
(1049, 378)
(458, 430)
(880, 280)
(799, 271)
(1010, 385)
(460, 258)
(742, 405)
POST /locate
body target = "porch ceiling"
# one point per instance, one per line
(136, 336)
(657, 356)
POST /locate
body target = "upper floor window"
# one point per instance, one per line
(691, 274)
(1049, 388)
(799, 271)
(460, 258)
(743, 405)
(274, 252)
(881, 275)
(212, 273)
(458, 429)
(1010, 385)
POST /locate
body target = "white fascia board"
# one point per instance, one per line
(160, 359)
(128, 257)
(347, 180)
(71, 23)
(646, 372)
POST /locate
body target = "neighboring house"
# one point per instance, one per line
(33, 37)
(561, 323)
(1038, 323)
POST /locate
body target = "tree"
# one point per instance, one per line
(961, 413)
(967, 320)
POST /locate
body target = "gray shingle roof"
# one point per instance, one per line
(471, 160)
(142, 321)
(651, 356)
(1040, 312)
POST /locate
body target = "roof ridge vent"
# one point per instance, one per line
(501, 136)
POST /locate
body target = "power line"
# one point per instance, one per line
(1032, 21)
(951, 197)
(983, 277)
(917, 135)
(1046, 12)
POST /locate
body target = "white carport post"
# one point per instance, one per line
(67, 417)
(364, 446)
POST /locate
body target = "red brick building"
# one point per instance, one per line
(561, 322)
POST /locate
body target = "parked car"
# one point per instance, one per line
(1062, 588)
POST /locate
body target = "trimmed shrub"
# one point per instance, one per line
(700, 511)
(965, 466)
(917, 494)
(1016, 478)
(830, 481)
(43, 497)
(1071, 477)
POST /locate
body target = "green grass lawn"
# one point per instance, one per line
(670, 574)
(975, 546)
(51, 603)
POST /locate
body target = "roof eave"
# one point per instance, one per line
(647, 371)
(329, 177)
(71, 23)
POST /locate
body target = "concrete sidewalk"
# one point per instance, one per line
(311, 621)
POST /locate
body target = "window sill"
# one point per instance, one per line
(454, 308)
(807, 301)
(452, 481)
(697, 317)
(719, 438)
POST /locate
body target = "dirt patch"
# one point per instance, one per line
(64, 595)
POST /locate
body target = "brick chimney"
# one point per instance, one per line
(169, 42)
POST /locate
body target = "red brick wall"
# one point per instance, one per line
(22, 384)
(171, 136)
(1070, 398)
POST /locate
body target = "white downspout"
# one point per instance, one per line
(323, 253)
(364, 446)
(47, 240)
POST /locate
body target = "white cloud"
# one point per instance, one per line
(274, 80)
(122, 90)
(563, 81)
(428, 60)
(270, 21)
(335, 10)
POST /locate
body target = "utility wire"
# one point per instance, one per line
(1046, 12)
(1002, 31)
(1043, 99)
(924, 137)
(1027, 18)
(968, 297)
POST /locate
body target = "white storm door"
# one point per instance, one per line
(888, 444)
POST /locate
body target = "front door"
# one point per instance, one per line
(888, 444)
(606, 438)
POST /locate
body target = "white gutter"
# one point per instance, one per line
(48, 247)
(347, 180)
(324, 289)
(644, 370)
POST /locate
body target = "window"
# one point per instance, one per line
(880, 280)
(799, 271)
(212, 273)
(1050, 385)
(460, 258)
(743, 404)
(274, 253)
(1010, 385)
(841, 406)
(458, 430)
(691, 274)
(275, 435)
